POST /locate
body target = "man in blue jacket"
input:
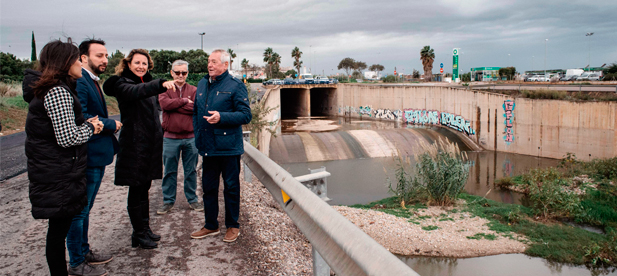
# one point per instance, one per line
(221, 108)
(101, 150)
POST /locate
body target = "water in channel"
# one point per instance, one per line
(358, 154)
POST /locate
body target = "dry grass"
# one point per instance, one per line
(11, 89)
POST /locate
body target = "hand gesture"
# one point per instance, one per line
(98, 125)
(118, 125)
(215, 118)
(169, 85)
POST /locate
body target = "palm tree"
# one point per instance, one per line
(296, 54)
(427, 55)
(232, 55)
(245, 65)
(275, 61)
(268, 57)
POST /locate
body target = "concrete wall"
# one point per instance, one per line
(272, 98)
(547, 128)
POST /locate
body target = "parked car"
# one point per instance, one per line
(569, 78)
(584, 76)
(307, 78)
(289, 81)
(321, 80)
(268, 82)
(533, 78)
(277, 81)
(595, 77)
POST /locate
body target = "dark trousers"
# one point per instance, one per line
(229, 168)
(137, 194)
(54, 248)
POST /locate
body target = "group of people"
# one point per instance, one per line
(70, 140)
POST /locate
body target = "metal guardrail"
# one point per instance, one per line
(346, 249)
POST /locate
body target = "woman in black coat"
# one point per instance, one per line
(140, 158)
(56, 136)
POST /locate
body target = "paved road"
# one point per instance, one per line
(22, 238)
(13, 156)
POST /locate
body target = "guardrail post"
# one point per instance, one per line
(317, 183)
(248, 175)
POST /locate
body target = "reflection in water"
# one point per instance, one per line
(502, 265)
(362, 180)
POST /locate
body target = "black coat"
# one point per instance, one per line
(140, 158)
(57, 175)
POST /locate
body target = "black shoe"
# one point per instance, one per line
(139, 237)
(96, 259)
(145, 214)
(142, 241)
(85, 269)
(151, 234)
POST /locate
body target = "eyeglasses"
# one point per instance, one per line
(183, 73)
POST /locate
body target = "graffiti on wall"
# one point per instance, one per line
(432, 117)
(365, 110)
(388, 114)
(508, 167)
(508, 108)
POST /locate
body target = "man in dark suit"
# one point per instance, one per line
(101, 150)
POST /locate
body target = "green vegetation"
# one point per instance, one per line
(430, 228)
(560, 95)
(480, 236)
(577, 192)
(427, 56)
(438, 177)
(258, 122)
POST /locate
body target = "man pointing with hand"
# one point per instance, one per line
(221, 108)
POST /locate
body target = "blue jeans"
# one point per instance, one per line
(171, 156)
(77, 238)
(229, 168)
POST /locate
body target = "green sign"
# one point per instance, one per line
(454, 64)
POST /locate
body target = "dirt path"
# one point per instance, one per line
(22, 238)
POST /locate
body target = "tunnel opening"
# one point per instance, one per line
(323, 102)
(294, 103)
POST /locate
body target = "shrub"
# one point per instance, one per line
(443, 170)
(549, 199)
(602, 168)
(389, 78)
(544, 94)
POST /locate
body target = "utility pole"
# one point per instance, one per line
(589, 43)
(202, 39)
(545, 45)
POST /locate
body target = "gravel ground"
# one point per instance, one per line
(450, 239)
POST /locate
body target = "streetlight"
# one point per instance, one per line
(311, 64)
(509, 63)
(589, 43)
(202, 39)
(545, 43)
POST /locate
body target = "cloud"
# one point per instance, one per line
(390, 33)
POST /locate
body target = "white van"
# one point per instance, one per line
(306, 78)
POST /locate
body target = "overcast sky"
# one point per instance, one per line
(490, 33)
